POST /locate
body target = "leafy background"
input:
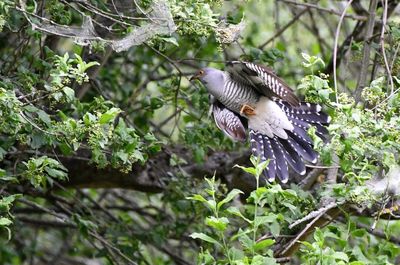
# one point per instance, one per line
(111, 157)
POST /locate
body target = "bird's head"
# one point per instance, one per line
(210, 77)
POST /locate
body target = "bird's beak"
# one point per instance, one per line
(195, 77)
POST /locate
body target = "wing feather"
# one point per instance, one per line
(263, 79)
(229, 122)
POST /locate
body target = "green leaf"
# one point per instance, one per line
(206, 258)
(5, 202)
(357, 263)
(306, 56)
(84, 224)
(235, 211)
(319, 83)
(197, 197)
(260, 260)
(261, 167)
(308, 245)
(250, 170)
(263, 244)
(340, 256)
(38, 139)
(108, 116)
(5, 221)
(261, 220)
(205, 237)
(55, 173)
(122, 156)
(324, 93)
(230, 196)
(44, 117)
(88, 65)
(171, 40)
(246, 241)
(2, 153)
(89, 118)
(218, 223)
(69, 93)
(212, 205)
(318, 235)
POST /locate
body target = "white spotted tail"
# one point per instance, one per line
(285, 144)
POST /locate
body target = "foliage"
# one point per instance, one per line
(262, 219)
(194, 17)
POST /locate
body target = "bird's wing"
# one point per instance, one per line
(263, 79)
(228, 121)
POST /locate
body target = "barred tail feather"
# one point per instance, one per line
(272, 149)
(321, 132)
(293, 149)
(281, 164)
(311, 113)
(304, 149)
(270, 172)
(313, 117)
(261, 147)
(304, 116)
(301, 132)
(256, 144)
(293, 158)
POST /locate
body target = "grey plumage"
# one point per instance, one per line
(263, 80)
(235, 93)
(229, 122)
(276, 119)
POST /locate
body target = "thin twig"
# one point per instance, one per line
(386, 99)
(323, 167)
(382, 41)
(45, 223)
(283, 29)
(394, 57)
(314, 214)
(326, 10)
(366, 50)
(34, 125)
(376, 232)
(299, 235)
(335, 49)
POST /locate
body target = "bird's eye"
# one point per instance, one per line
(201, 72)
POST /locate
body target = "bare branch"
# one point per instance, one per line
(326, 10)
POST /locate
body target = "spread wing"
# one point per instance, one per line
(263, 79)
(229, 122)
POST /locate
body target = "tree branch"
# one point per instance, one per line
(362, 78)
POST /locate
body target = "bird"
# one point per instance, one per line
(248, 99)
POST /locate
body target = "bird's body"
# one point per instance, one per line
(277, 120)
(268, 118)
(236, 94)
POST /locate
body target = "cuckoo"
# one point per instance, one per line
(248, 97)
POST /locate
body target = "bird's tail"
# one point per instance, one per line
(297, 147)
